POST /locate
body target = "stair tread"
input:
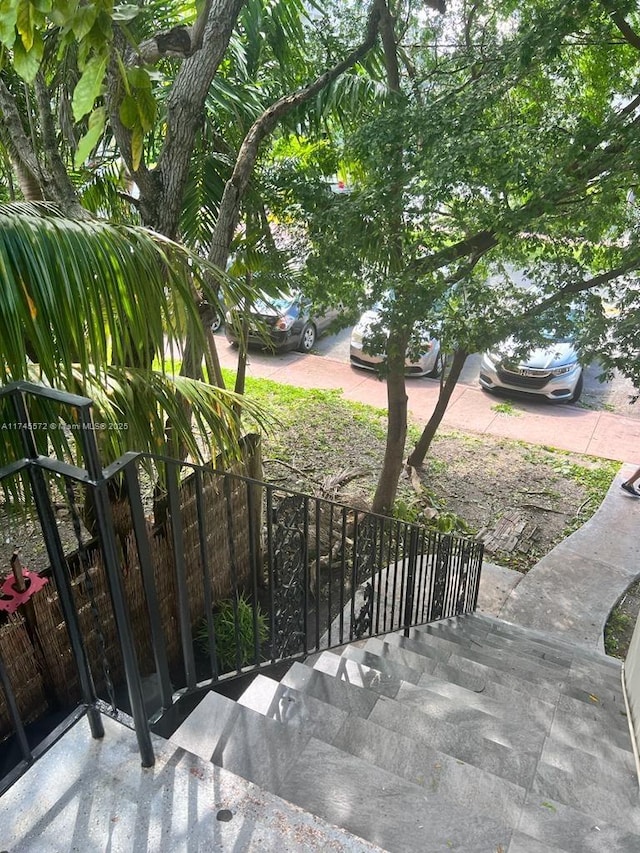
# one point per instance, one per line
(590, 735)
(582, 764)
(475, 650)
(503, 703)
(293, 708)
(442, 775)
(348, 697)
(465, 658)
(240, 740)
(512, 731)
(572, 830)
(509, 629)
(613, 804)
(383, 808)
(461, 743)
(394, 669)
(351, 671)
(488, 639)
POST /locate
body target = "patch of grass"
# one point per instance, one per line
(595, 476)
(617, 624)
(506, 409)
(226, 635)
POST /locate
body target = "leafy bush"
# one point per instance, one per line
(224, 625)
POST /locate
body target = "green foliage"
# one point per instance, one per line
(231, 632)
(414, 511)
(617, 624)
(506, 408)
(87, 307)
(595, 478)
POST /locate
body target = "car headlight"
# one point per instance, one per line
(356, 338)
(566, 368)
(493, 357)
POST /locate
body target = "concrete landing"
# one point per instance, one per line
(87, 796)
(572, 590)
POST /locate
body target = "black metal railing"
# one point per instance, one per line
(183, 576)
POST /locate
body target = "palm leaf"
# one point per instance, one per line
(91, 308)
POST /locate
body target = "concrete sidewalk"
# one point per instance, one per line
(565, 426)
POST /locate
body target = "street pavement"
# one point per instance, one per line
(563, 426)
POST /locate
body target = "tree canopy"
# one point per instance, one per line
(475, 139)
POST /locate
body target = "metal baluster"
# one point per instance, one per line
(149, 584)
(172, 473)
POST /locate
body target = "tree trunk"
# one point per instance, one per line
(387, 486)
(236, 186)
(423, 444)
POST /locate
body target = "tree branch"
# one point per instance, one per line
(629, 34)
(238, 182)
(66, 196)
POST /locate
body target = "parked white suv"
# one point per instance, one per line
(552, 371)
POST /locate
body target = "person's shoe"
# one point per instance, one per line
(629, 488)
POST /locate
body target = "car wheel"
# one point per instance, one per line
(577, 392)
(217, 322)
(307, 338)
(437, 368)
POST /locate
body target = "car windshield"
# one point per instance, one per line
(280, 303)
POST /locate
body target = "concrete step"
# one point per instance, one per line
(455, 703)
(462, 743)
(445, 778)
(293, 708)
(454, 654)
(516, 692)
(383, 808)
(578, 764)
(489, 640)
(470, 674)
(509, 630)
(458, 643)
(340, 693)
(595, 736)
(352, 671)
(562, 827)
(604, 802)
(498, 629)
(241, 740)
(394, 669)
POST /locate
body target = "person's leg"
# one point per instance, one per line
(635, 476)
(628, 484)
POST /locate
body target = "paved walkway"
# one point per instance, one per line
(563, 426)
(572, 590)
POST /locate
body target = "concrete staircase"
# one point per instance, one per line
(471, 734)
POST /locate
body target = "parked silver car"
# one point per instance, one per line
(428, 363)
(552, 371)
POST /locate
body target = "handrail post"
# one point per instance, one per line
(411, 578)
(104, 521)
(57, 561)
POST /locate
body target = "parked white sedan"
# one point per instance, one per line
(427, 363)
